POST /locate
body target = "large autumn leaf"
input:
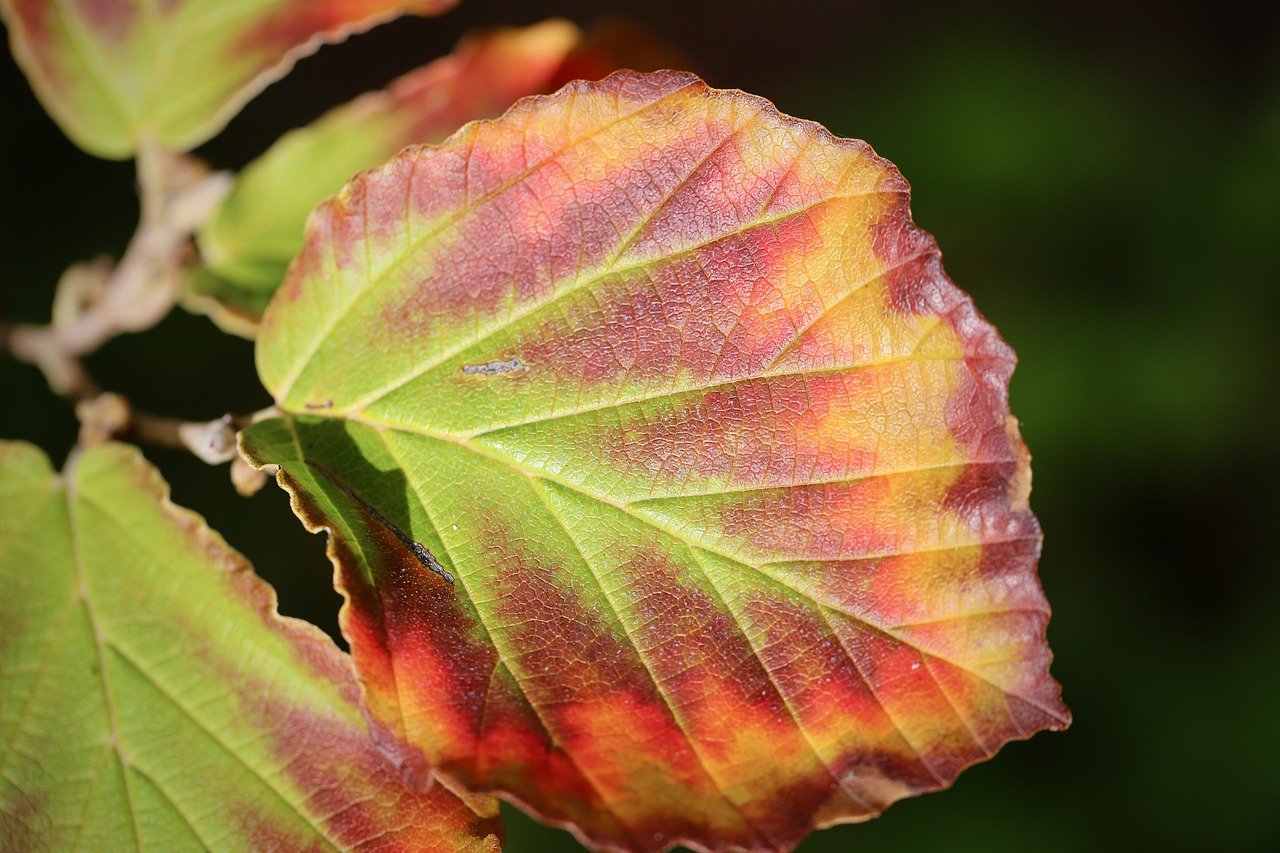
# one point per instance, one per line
(151, 697)
(673, 486)
(117, 74)
(246, 247)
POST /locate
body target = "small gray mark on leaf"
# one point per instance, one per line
(419, 551)
(494, 368)
(323, 404)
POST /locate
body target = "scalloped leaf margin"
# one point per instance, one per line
(672, 485)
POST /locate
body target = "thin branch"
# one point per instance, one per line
(107, 416)
(96, 301)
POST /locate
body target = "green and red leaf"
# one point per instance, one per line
(118, 74)
(152, 698)
(672, 485)
(247, 246)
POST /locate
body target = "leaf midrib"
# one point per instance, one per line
(672, 707)
(501, 659)
(106, 641)
(823, 605)
(627, 508)
(83, 593)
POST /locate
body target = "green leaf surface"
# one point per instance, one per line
(672, 485)
(118, 74)
(151, 697)
(247, 246)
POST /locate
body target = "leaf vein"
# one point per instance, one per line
(786, 702)
(515, 465)
(644, 662)
(606, 271)
(500, 657)
(200, 725)
(458, 215)
(100, 641)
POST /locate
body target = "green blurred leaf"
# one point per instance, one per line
(151, 697)
(249, 243)
(124, 73)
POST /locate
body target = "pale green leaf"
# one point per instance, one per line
(151, 698)
(118, 74)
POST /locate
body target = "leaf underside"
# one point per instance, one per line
(117, 74)
(673, 486)
(151, 697)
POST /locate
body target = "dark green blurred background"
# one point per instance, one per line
(1105, 182)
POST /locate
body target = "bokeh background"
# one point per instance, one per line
(1104, 178)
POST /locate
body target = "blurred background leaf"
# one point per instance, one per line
(1105, 182)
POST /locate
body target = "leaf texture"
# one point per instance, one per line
(152, 698)
(118, 74)
(672, 485)
(247, 246)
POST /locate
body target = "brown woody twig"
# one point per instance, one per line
(95, 301)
